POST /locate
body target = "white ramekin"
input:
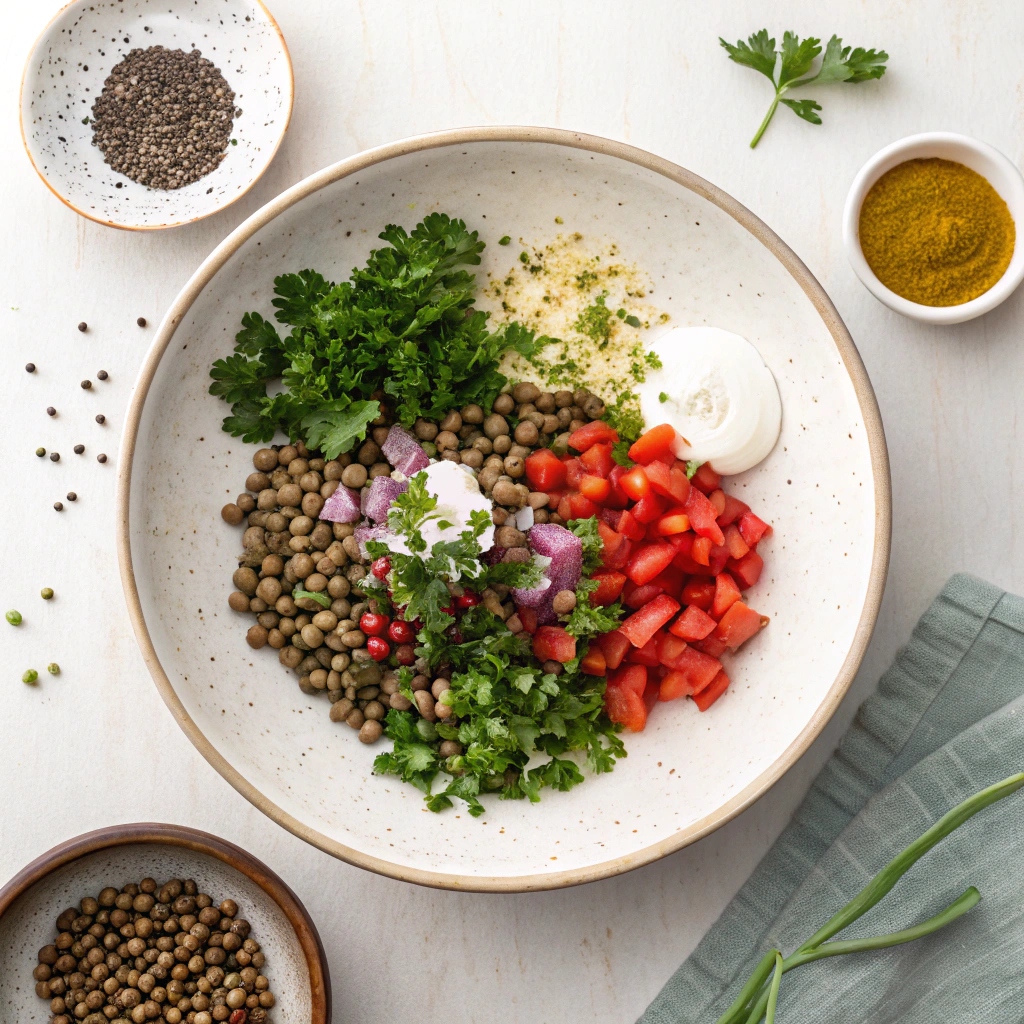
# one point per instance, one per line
(1004, 177)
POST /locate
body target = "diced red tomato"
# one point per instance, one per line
(598, 460)
(618, 497)
(564, 508)
(554, 497)
(609, 586)
(609, 516)
(581, 507)
(553, 643)
(693, 624)
(660, 478)
(573, 473)
(752, 529)
(702, 516)
(593, 662)
(670, 579)
(674, 684)
(629, 527)
(648, 561)
(648, 508)
(683, 543)
(717, 498)
(636, 597)
(734, 541)
(726, 595)
(631, 677)
(718, 556)
(635, 484)
(593, 433)
(610, 540)
(670, 647)
(679, 484)
(734, 508)
(544, 470)
(738, 625)
(596, 488)
(711, 645)
(620, 557)
(625, 708)
(653, 443)
(643, 624)
(615, 646)
(705, 479)
(673, 521)
(528, 617)
(651, 692)
(646, 655)
(747, 569)
(708, 696)
(699, 591)
(701, 550)
(697, 667)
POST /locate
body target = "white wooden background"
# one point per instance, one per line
(97, 746)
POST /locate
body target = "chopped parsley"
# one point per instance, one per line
(507, 710)
(404, 325)
(662, 397)
(691, 468)
(504, 240)
(595, 322)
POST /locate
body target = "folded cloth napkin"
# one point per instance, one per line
(947, 720)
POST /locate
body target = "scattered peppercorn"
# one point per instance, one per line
(86, 384)
(14, 617)
(102, 374)
(31, 677)
(83, 327)
(46, 593)
(101, 457)
(53, 668)
(50, 411)
(141, 321)
(55, 456)
(79, 448)
(30, 367)
(59, 506)
(72, 496)
(100, 418)
(40, 452)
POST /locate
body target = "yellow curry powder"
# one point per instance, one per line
(936, 232)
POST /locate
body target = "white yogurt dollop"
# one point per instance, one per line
(458, 495)
(718, 394)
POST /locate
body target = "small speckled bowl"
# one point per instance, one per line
(65, 73)
(31, 902)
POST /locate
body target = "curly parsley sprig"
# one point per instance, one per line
(788, 68)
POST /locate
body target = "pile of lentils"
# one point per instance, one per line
(150, 952)
(338, 650)
(164, 117)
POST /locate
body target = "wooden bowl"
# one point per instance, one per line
(31, 902)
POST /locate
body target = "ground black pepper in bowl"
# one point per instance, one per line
(164, 118)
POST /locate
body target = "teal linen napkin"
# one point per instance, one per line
(946, 721)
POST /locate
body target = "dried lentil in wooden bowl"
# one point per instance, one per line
(289, 954)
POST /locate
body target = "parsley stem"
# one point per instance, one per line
(751, 988)
(773, 992)
(764, 124)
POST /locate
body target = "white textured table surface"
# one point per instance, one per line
(98, 747)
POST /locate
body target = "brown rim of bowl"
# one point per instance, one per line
(201, 842)
(851, 359)
(178, 223)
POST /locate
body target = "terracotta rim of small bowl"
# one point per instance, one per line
(851, 360)
(200, 842)
(178, 223)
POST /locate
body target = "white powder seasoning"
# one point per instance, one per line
(581, 292)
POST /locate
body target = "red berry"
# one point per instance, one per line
(405, 655)
(373, 624)
(468, 599)
(401, 632)
(378, 647)
(381, 567)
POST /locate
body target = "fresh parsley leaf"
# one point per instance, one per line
(789, 68)
(633, 321)
(504, 240)
(321, 599)
(691, 467)
(620, 453)
(662, 397)
(335, 427)
(586, 530)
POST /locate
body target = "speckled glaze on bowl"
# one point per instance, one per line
(31, 902)
(825, 487)
(65, 73)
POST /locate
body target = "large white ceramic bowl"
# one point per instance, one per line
(73, 56)
(825, 488)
